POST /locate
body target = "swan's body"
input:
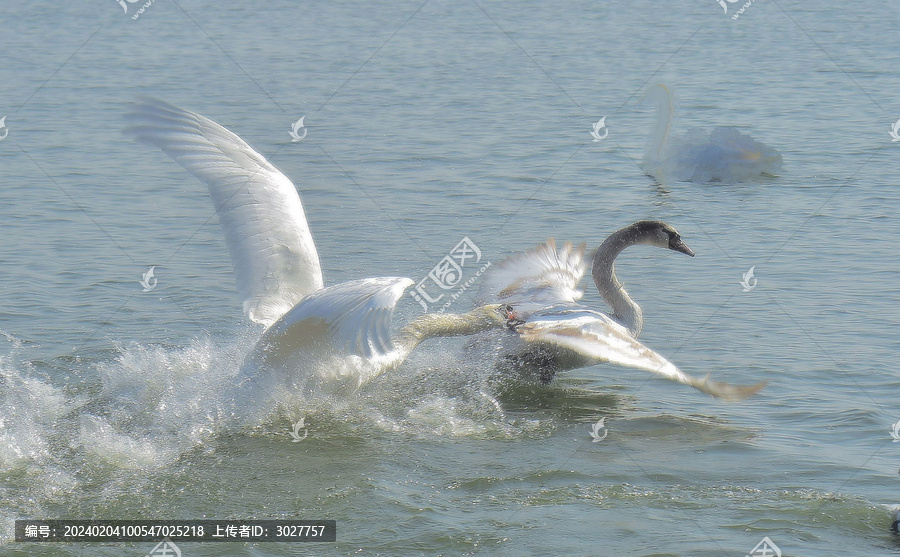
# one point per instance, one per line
(318, 334)
(342, 333)
(559, 333)
(723, 155)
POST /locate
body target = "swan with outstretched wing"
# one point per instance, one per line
(557, 333)
(337, 332)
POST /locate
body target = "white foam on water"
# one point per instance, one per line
(155, 403)
(29, 410)
(145, 409)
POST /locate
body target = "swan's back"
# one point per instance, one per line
(724, 155)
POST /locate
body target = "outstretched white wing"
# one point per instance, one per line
(540, 277)
(597, 336)
(275, 260)
(352, 318)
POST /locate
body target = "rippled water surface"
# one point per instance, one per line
(428, 122)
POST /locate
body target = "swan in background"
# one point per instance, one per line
(723, 155)
(336, 334)
(558, 333)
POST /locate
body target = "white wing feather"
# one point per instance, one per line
(357, 315)
(540, 277)
(597, 336)
(272, 251)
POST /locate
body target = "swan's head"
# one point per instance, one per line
(659, 234)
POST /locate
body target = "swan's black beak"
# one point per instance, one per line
(512, 318)
(677, 244)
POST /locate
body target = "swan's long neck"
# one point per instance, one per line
(625, 310)
(663, 122)
(433, 325)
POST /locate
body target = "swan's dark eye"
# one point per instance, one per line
(674, 239)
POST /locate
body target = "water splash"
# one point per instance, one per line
(144, 412)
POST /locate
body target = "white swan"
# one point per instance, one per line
(558, 333)
(341, 332)
(723, 155)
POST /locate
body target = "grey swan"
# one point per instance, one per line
(556, 332)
